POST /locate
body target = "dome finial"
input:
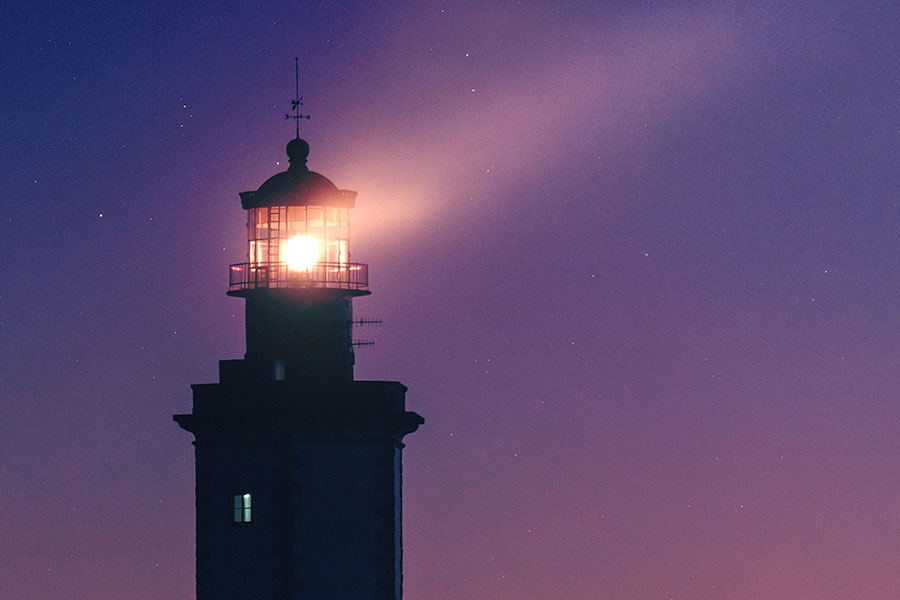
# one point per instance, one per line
(297, 102)
(297, 151)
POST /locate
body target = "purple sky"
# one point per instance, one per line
(637, 263)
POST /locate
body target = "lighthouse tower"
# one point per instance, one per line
(298, 476)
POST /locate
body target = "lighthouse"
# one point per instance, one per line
(298, 464)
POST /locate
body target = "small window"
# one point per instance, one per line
(279, 370)
(242, 508)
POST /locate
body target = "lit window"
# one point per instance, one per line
(242, 508)
(279, 370)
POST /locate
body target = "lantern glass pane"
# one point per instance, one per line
(274, 234)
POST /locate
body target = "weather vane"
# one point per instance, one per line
(297, 102)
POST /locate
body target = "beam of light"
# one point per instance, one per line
(607, 98)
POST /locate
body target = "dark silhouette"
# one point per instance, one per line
(298, 477)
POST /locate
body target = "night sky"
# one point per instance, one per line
(638, 264)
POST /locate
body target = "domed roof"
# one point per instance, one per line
(298, 186)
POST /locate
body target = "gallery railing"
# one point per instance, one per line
(251, 276)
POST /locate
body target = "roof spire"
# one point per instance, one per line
(297, 102)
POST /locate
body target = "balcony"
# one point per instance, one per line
(277, 275)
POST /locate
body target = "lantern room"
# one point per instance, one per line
(298, 232)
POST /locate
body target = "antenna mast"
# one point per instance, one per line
(297, 102)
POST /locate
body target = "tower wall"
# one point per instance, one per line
(307, 329)
(353, 482)
(322, 466)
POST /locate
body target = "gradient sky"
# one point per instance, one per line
(638, 264)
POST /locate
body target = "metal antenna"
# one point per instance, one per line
(297, 102)
(366, 321)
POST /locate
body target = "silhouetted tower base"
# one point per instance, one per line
(298, 472)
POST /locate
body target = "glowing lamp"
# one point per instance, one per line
(301, 253)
